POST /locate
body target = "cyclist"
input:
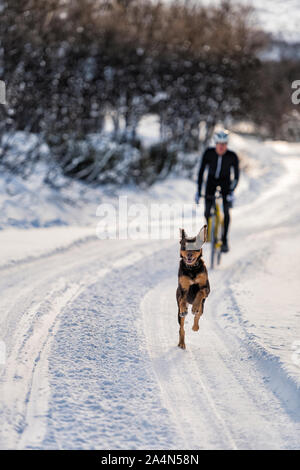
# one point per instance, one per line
(219, 161)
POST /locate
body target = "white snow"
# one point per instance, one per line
(281, 18)
(90, 326)
(26, 244)
(278, 17)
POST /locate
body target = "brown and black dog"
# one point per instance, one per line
(193, 285)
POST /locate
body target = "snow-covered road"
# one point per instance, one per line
(91, 335)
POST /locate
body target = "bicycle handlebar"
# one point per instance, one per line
(216, 196)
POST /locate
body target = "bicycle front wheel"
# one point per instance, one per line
(212, 241)
(219, 243)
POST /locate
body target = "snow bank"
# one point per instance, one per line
(262, 273)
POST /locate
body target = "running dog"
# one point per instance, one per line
(193, 285)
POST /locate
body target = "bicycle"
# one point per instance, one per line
(215, 228)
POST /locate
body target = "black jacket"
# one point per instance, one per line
(221, 171)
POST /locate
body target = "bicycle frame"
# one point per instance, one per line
(215, 228)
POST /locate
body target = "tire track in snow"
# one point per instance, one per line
(180, 382)
(24, 383)
(215, 373)
(104, 395)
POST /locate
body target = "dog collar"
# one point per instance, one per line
(192, 266)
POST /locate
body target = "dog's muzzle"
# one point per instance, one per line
(190, 261)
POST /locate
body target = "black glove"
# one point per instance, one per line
(230, 199)
(233, 185)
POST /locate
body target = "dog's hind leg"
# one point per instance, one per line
(181, 343)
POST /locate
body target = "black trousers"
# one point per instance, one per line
(211, 186)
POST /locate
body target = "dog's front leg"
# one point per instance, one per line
(197, 308)
(182, 292)
(183, 305)
(182, 312)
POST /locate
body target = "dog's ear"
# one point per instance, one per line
(182, 234)
(202, 235)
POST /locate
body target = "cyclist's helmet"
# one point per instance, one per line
(221, 137)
